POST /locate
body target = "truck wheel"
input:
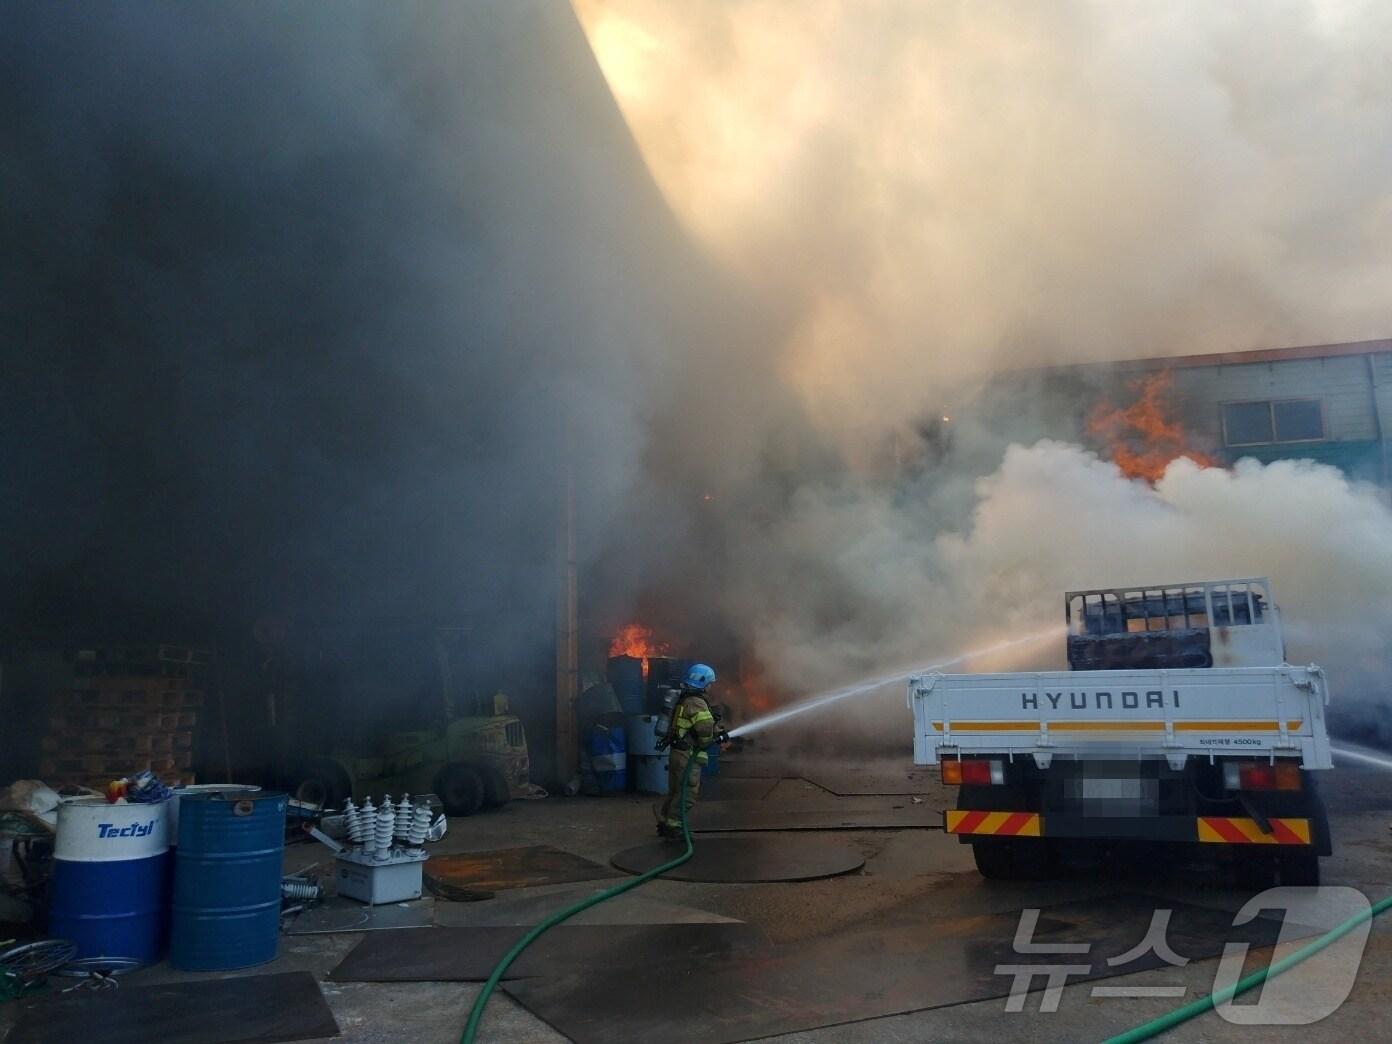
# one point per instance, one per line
(1301, 870)
(325, 784)
(461, 790)
(995, 861)
(1034, 860)
(1256, 870)
(495, 789)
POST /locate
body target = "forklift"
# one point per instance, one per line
(461, 744)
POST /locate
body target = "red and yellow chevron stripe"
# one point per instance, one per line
(1002, 824)
(1227, 830)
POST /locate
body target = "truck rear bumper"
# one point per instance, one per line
(1219, 830)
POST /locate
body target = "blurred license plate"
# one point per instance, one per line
(1112, 789)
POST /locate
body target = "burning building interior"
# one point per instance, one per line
(407, 410)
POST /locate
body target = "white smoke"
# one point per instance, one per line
(854, 580)
(1056, 517)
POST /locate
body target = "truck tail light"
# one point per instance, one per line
(1261, 775)
(976, 772)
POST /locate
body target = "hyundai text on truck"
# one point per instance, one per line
(1179, 722)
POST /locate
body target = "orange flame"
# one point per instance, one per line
(753, 693)
(756, 697)
(1143, 438)
(637, 641)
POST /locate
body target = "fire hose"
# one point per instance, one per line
(1173, 1018)
(1135, 1035)
(500, 969)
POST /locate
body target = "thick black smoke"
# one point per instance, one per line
(308, 308)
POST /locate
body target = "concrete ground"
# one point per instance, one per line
(910, 877)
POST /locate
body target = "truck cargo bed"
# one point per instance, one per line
(1174, 714)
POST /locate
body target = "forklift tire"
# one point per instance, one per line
(495, 789)
(1299, 869)
(325, 784)
(461, 790)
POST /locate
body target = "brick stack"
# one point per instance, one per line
(130, 708)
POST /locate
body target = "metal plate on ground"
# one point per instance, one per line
(529, 908)
(737, 788)
(469, 954)
(847, 977)
(504, 868)
(748, 860)
(250, 1009)
(715, 817)
(336, 914)
(879, 781)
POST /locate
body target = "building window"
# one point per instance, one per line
(1247, 423)
(1261, 423)
(1298, 420)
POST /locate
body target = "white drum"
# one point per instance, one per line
(110, 876)
(641, 739)
(90, 830)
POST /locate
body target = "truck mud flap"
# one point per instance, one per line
(1233, 830)
(995, 824)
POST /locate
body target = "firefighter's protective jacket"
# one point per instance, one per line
(693, 725)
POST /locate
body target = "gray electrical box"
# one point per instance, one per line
(373, 881)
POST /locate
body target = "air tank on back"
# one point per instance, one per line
(226, 911)
(662, 720)
(663, 672)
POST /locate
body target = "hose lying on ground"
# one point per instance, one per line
(1132, 1036)
(1171, 1019)
(500, 969)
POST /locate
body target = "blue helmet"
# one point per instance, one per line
(699, 677)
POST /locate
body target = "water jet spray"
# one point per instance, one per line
(1362, 755)
(872, 685)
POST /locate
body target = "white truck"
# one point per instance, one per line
(1179, 722)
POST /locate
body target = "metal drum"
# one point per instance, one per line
(226, 911)
(609, 758)
(195, 788)
(626, 676)
(641, 739)
(110, 868)
(652, 773)
(712, 765)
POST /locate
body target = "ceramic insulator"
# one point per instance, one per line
(350, 820)
(301, 890)
(420, 824)
(386, 821)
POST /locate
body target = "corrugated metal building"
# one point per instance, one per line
(1331, 402)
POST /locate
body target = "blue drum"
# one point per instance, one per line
(227, 871)
(609, 758)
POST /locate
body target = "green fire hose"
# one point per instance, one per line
(500, 969)
(1135, 1035)
(1171, 1019)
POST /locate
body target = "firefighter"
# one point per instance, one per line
(693, 730)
